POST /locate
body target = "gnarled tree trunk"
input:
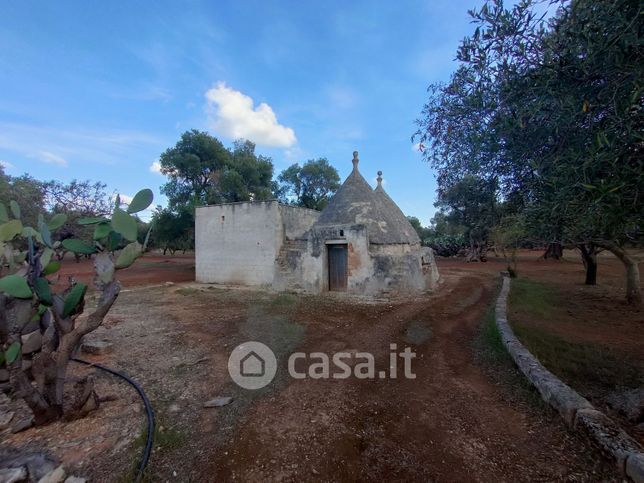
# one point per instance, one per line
(553, 250)
(477, 251)
(61, 335)
(589, 257)
(633, 292)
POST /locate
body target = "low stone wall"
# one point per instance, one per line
(573, 408)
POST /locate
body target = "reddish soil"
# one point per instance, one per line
(450, 423)
(153, 268)
(595, 314)
(461, 418)
(587, 335)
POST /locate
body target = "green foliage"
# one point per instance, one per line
(24, 274)
(110, 232)
(12, 352)
(45, 257)
(92, 220)
(173, 230)
(45, 234)
(509, 234)
(15, 209)
(29, 232)
(246, 177)
(28, 195)
(551, 112)
(444, 235)
(203, 171)
(114, 241)
(141, 201)
(78, 246)
(10, 229)
(15, 286)
(124, 224)
(57, 221)
(423, 232)
(43, 291)
(73, 298)
(102, 230)
(469, 203)
(51, 268)
(445, 245)
(310, 185)
(128, 255)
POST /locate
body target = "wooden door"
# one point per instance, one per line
(338, 256)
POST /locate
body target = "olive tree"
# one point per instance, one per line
(552, 111)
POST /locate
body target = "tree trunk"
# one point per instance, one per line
(477, 252)
(589, 257)
(553, 250)
(633, 292)
(60, 339)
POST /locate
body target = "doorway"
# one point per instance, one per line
(338, 256)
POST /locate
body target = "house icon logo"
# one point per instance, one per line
(252, 365)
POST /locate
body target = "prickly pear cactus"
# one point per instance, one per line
(40, 328)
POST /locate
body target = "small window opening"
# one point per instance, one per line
(341, 232)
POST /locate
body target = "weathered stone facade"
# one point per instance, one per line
(288, 248)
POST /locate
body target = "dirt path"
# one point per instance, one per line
(458, 420)
(451, 423)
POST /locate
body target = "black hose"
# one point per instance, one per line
(148, 409)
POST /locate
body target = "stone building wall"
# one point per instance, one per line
(283, 248)
(237, 243)
(397, 269)
(297, 221)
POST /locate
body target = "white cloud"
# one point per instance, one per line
(6, 164)
(232, 114)
(155, 167)
(52, 158)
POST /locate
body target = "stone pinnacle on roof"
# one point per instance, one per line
(356, 202)
(399, 230)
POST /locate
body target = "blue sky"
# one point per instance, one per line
(98, 90)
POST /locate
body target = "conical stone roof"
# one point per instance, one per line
(398, 226)
(356, 203)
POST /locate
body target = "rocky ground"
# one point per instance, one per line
(467, 415)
